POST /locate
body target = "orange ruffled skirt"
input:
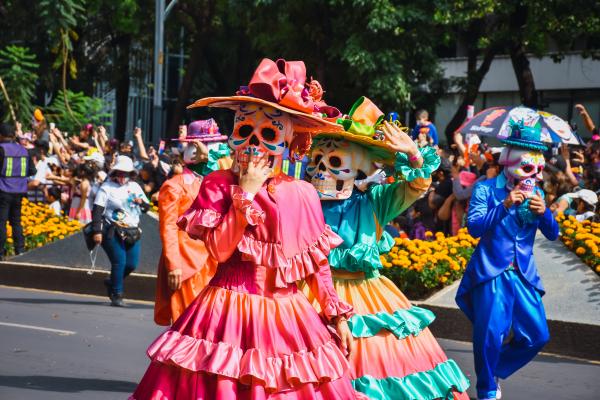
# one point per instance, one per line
(234, 345)
(395, 355)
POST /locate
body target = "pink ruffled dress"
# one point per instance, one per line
(251, 334)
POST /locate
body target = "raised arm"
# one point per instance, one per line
(222, 211)
(415, 165)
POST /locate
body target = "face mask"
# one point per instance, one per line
(189, 153)
(522, 167)
(259, 132)
(334, 167)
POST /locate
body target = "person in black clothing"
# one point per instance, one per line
(15, 167)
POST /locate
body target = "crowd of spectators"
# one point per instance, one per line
(70, 169)
(571, 180)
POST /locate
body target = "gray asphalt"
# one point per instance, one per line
(99, 353)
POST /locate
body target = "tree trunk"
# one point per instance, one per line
(524, 75)
(183, 95)
(201, 13)
(518, 57)
(474, 78)
(122, 85)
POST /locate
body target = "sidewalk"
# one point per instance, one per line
(572, 303)
(63, 266)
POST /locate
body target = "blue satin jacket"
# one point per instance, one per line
(504, 239)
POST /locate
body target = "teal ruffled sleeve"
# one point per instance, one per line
(391, 200)
(431, 162)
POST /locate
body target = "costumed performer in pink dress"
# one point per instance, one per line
(251, 334)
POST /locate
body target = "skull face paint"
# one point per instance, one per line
(190, 152)
(522, 167)
(334, 166)
(259, 132)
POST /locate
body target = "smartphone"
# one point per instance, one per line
(52, 126)
(161, 147)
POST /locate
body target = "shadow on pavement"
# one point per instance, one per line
(66, 384)
(134, 306)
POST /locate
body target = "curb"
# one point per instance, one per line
(566, 338)
(73, 280)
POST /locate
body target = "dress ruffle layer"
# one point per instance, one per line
(251, 366)
(438, 383)
(278, 343)
(289, 269)
(168, 382)
(384, 350)
(361, 257)
(401, 323)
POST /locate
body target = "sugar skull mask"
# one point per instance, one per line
(190, 151)
(259, 132)
(334, 167)
(522, 167)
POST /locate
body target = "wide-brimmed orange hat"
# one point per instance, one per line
(282, 85)
(361, 126)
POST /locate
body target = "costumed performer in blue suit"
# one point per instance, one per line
(501, 291)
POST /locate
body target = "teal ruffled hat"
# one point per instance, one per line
(525, 137)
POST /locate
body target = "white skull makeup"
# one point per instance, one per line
(522, 167)
(260, 131)
(190, 151)
(335, 165)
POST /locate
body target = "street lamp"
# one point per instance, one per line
(162, 14)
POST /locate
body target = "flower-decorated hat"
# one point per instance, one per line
(361, 126)
(204, 130)
(282, 85)
(525, 137)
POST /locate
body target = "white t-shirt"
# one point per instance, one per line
(118, 201)
(55, 206)
(43, 169)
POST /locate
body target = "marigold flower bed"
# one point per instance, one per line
(421, 267)
(583, 238)
(41, 226)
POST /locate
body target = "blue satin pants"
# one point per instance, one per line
(506, 304)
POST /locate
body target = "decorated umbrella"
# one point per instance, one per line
(496, 121)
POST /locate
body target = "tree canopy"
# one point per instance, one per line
(388, 50)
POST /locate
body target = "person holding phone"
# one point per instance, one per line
(115, 223)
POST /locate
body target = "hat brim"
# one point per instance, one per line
(525, 144)
(219, 138)
(303, 122)
(378, 149)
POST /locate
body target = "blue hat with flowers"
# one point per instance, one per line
(525, 137)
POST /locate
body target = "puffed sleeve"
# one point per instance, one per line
(481, 217)
(320, 281)
(168, 210)
(321, 286)
(391, 200)
(220, 215)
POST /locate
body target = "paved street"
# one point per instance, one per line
(58, 346)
